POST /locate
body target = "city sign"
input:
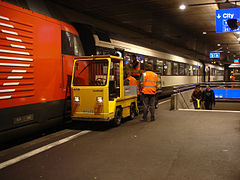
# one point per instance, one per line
(214, 55)
(222, 15)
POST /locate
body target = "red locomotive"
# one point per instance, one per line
(36, 58)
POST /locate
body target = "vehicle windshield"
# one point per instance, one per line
(90, 73)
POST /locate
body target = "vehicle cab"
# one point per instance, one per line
(98, 91)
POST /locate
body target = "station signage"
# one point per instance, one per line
(236, 61)
(214, 55)
(222, 15)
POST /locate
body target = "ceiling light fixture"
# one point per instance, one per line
(204, 32)
(182, 7)
(218, 44)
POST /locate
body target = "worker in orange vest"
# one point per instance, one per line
(129, 80)
(149, 86)
(136, 65)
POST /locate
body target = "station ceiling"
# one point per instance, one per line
(164, 20)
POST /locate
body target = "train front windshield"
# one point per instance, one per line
(90, 73)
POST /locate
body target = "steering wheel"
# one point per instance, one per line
(100, 81)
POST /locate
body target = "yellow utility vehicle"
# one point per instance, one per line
(98, 91)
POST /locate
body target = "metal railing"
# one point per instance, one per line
(186, 87)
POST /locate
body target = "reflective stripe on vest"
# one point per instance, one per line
(149, 82)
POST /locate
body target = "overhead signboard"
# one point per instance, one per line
(236, 61)
(222, 15)
(214, 55)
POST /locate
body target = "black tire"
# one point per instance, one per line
(118, 117)
(132, 111)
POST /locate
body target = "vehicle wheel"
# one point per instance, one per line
(132, 111)
(118, 117)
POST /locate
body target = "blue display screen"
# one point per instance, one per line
(236, 60)
(227, 93)
(214, 55)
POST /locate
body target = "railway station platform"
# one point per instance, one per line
(179, 145)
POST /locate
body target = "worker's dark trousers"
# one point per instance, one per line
(208, 105)
(148, 103)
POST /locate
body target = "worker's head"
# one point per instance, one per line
(207, 87)
(134, 58)
(197, 87)
(148, 67)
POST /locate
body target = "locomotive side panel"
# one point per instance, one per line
(31, 73)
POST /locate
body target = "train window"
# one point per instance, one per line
(167, 68)
(175, 68)
(195, 70)
(159, 66)
(187, 70)
(145, 62)
(67, 43)
(71, 44)
(213, 72)
(191, 70)
(78, 50)
(142, 63)
(181, 69)
(150, 61)
(219, 72)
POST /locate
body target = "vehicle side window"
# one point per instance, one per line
(175, 69)
(167, 68)
(78, 49)
(67, 43)
(159, 67)
(71, 44)
(195, 70)
(187, 70)
(181, 69)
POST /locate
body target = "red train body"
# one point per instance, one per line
(36, 58)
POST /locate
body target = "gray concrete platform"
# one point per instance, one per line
(177, 146)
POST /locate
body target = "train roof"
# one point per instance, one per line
(97, 57)
(64, 26)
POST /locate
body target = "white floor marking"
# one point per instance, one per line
(163, 102)
(205, 110)
(41, 149)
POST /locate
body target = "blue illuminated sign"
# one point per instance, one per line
(222, 15)
(214, 55)
(236, 61)
(227, 93)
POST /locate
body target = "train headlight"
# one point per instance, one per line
(76, 99)
(99, 99)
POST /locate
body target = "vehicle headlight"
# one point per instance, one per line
(99, 99)
(76, 98)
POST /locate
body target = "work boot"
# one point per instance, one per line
(144, 119)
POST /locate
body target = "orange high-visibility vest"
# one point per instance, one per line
(138, 66)
(149, 82)
(132, 81)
